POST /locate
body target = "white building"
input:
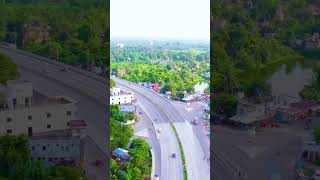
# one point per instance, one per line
(57, 147)
(26, 111)
(127, 108)
(120, 97)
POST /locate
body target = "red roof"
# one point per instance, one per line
(77, 123)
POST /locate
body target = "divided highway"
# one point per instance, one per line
(197, 166)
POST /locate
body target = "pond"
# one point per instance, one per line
(290, 79)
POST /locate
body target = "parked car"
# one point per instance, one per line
(156, 177)
(173, 155)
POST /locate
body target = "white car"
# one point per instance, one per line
(156, 177)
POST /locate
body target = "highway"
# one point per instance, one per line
(198, 167)
(171, 168)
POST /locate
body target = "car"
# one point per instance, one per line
(156, 177)
(173, 155)
(64, 69)
(45, 71)
(140, 112)
(98, 163)
(159, 130)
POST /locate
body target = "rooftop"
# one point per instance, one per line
(40, 99)
(53, 135)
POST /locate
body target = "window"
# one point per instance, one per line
(69, 113)
(33, 148)
(48, 115)
(14, 101)
(48, 126)
(9, 119)
(43, 148)
(29, 117)
(67, 148)
(9, 131)
(26, 101)
(50, 159)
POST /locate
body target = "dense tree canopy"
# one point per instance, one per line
(8, 70)
(74, 32)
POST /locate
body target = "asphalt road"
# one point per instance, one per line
(89, 93)
(145, 123)
(197, 165)
(170, 168)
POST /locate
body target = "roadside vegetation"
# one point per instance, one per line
(121, 136)
(184, 165)
(8, 70)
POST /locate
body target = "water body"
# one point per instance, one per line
(290, 79)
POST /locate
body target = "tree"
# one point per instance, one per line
(66, 173)
(112, 83)
(316, 135)
(13, 149)
(8, 70)
(224, 104)
(131, 116)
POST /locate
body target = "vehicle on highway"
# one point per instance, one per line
(98, 163)
(156, 177)
(64, 69)
(140, 112)
(195, 122)
(45, 71)
(173, 155)
(159, 130)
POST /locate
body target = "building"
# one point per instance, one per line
(127, 108)
(121, 155)
(24, 110)
(61, 147)
(120, 97)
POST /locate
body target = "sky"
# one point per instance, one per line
(160, 19)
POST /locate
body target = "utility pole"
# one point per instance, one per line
(57, 54)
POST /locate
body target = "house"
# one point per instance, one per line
(24, 110)
(117, 96)
(156, 87)
(59, 147)
(127, 108)
(121, 154)
(313, 41)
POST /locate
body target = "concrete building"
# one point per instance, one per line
(127, 108)
(24, 110)
(120, 97)
(61, 147)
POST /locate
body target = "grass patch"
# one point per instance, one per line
(185, 174)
